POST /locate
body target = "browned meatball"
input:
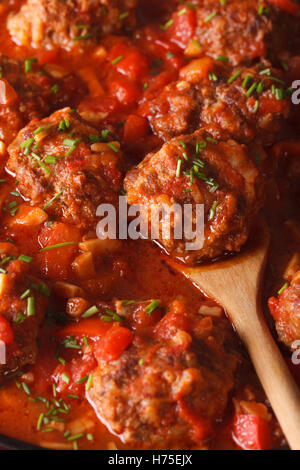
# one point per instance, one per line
(28, 92)
(240, 103)
(22, 308)
(196, 169)
(62, 163)
(242, 30)
(69, 23)
(170, 387)
(286, 311)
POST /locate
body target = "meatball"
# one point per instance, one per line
(170, 386)
(63, 164)
(28, 92)
(241, 30)
(69, 23)
(197, 169)
(240, 103)
(21, 311)
(286, 311)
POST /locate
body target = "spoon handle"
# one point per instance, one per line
(271, 368)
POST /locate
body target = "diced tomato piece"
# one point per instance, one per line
(6, 332)
(202, 427)
(126, 91)
(91, 327)
(286, 5)
(183, 28)
(170, 324)
(251, 432)
(133, 64)
(116, 340)
(136, 127)
(55, 264)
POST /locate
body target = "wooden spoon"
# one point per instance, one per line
(236, 285)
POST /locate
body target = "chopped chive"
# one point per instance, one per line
(65, 378)
(256, 106)
(25, 294)
(90, 437)
(167, 25)
(260, 87)
(90, 312)
(53, 199)
(178, 169)
(113, 147)
(222, 58)
(20, 318)
(75, 437)
(126, 303)
(200, 145)
(246, 80)
(89, 382)
(211, 140)
(212, 76)
(279, 94)
(26, 388)
(82, 37)
(40, 422)
(28, 64)
(265, 72)
(54, 89)
(212, 211)
(251, 89)
(124, 15)
(81, 381)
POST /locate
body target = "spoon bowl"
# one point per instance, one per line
(235, 283)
